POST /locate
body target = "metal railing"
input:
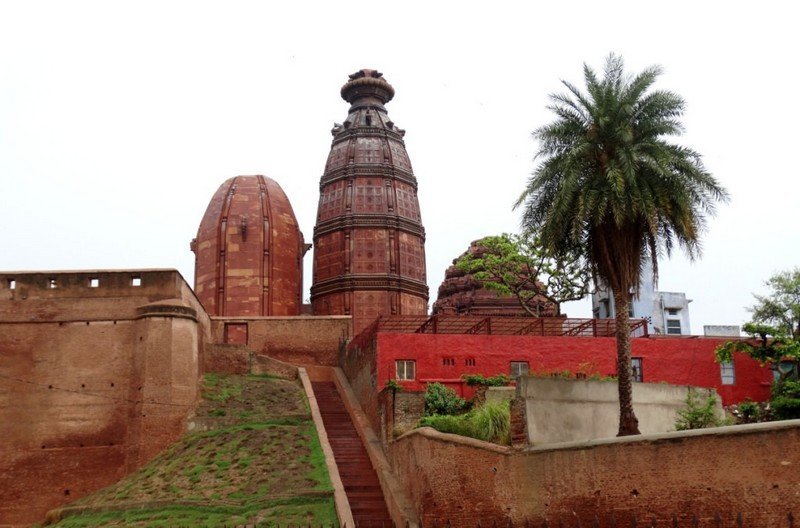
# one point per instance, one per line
(496, 325)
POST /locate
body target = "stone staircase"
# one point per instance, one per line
(358, 476)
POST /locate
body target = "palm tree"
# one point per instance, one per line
(609, 184)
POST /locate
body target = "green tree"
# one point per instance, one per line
(519, 266)
(610, 185)
(774, 329)
(781, 308)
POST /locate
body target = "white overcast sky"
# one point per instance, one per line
(119, 120)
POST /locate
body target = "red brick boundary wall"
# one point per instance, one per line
(302, 340)
(750, 469)
(359, 367)
(239, 359)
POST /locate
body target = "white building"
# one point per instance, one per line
(666, 312)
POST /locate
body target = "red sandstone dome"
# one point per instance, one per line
(249, 251)
(369, 243)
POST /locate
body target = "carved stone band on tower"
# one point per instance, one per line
(369, 243)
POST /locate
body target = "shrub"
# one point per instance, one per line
(748, 412)
(442, 400)
(490, 422)
(393, 385)
(475, 380)
(786, 400)
(699, 412)
(493, 422)
(449, 424)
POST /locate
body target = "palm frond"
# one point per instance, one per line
(607, 179)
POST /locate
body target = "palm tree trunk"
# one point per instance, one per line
(628, 423)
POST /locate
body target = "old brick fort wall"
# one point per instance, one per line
(301, 340)
(99, 371)
(748, 469)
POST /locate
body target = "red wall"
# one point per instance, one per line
(680, 361)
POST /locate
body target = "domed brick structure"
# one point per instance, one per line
(461, 293)
(249, 251)
(369, 243)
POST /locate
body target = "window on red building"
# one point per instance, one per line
(469, 362)
(449, 362)
(406, 369)
(727, 373)
(519, 368)
(636, 369)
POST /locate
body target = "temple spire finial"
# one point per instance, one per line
(367, 83)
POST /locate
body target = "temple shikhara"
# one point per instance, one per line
(369, 243)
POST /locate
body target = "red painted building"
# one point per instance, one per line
(423, 358)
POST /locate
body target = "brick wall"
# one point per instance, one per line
(267, 365)
(408, 409)
(239, 359)
(359, 366)
(302, 340)
(750, 469)
(227, 358)
(98, 374)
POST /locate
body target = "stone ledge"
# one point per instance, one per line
(730, 430)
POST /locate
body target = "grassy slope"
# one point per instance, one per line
(259, 462)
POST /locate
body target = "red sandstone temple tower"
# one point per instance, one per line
(369, 243)
(249, 251)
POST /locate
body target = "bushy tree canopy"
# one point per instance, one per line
(774, 326)
(518, 265)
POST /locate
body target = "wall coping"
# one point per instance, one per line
(20, 273)
(448, 438)
(228, 318)
(730, 430)
(90, 270)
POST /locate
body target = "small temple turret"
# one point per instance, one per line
(249, 251)
(369, 243)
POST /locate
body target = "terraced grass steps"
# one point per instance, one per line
(253, 460)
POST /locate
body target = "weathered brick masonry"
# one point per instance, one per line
(302, 340)
(369, 243)
(750, 469)
(99, 371)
